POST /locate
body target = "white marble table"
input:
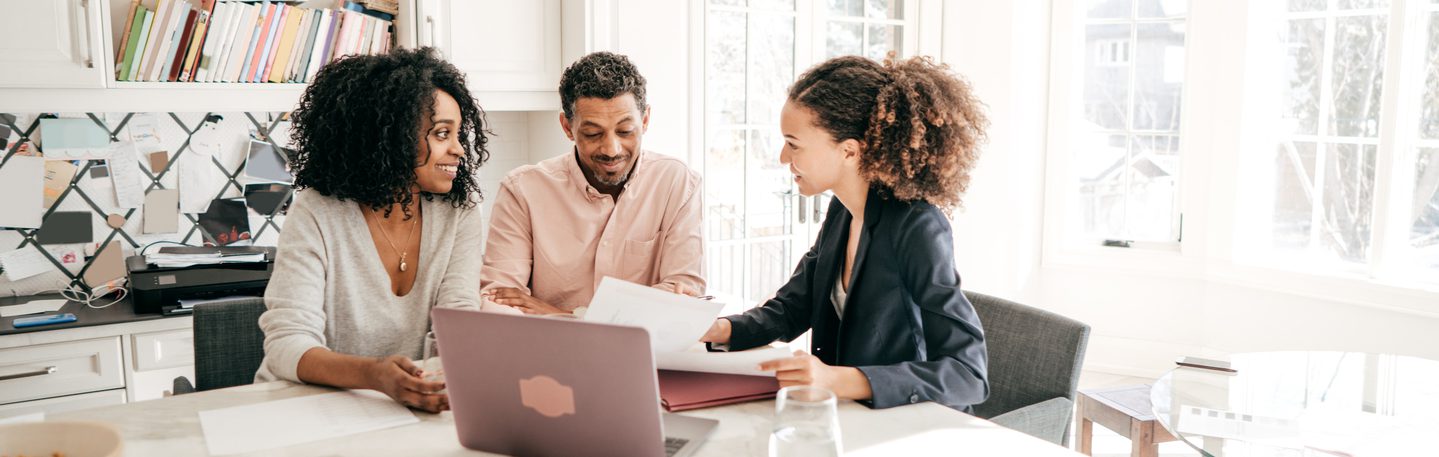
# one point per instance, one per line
(171, 427)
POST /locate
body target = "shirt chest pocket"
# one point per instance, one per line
(640, 260)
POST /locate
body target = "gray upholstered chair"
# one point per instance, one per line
(229, 344)
(1034, 361)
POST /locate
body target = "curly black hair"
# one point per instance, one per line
(921, 124)
(356, 129)
(602, 75)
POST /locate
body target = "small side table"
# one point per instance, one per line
(1125, 410)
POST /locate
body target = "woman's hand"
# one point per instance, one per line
(517, 299)
(399, 378)
(719, 332)
(807, 370)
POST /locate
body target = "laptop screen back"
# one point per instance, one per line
(523, 385)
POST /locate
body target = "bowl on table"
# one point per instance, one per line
(60, 438)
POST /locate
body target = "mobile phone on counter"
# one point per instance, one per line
(48, 319)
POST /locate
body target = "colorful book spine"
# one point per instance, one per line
(152, 43)
(125, 40)
(197, 39)
(252, 53)
(186, 32)
(214, 33)
(137, 34)
(284, 47)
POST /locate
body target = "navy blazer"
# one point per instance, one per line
(906, 326)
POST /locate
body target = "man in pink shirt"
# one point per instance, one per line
(604, 208)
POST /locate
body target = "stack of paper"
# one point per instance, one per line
(174, 257)
(282, 423)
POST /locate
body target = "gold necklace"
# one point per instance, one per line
(403, 265)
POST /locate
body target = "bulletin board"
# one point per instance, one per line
(212, 169)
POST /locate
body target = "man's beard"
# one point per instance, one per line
(616, 179)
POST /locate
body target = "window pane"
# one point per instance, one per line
(770, 268)
(768, 186)
(1429, 109)
(778, 5)
(850, 8)
(884, 9)
(1153, 184)
(727, 2)
(882, 40)
(1109, 9)
(1358, 72)
(771, 66)
(1304, 58)
(1163, 8)
(1348, 201)
(843, 39)
(1100, 171)
(1308, 5)
(1106, 79)
(1361, 4)
(724, 162)
(1293, 200)
(724, 275)
(1159, 76)
(725, 67)
(1424, 234)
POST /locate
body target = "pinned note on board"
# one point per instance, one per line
(22, 182)
(66, 227)
(162, 211)
(58, 175)
(75, 139)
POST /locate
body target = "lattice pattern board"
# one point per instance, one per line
(214, 174)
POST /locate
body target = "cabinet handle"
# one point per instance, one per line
(84, 26)
(431, 21)
(31, 374)
(815, 207)
(802, 210)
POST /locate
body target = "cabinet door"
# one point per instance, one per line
(51, 43)
(501, 45)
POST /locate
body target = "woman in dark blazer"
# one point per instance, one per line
(895, 143)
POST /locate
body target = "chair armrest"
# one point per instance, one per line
(1047, 420)
(182, 386)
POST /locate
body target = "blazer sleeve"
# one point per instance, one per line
(790, 313)
(954, 370)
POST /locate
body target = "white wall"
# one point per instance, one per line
(1142, 319)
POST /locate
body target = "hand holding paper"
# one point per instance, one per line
(675, 322)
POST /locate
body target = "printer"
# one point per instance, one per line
(159, 289)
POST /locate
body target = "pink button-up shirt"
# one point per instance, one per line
(555, 237)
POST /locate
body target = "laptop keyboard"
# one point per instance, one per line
(673, 445)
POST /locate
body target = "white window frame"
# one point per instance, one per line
(1231, 34)
(1064, 247)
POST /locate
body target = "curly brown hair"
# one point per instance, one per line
(920, 124)
(356, 129)
(602, 75)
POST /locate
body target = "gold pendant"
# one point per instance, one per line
(402, 266)
(402, 262)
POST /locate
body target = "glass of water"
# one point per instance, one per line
(431, 361)
(806, 423)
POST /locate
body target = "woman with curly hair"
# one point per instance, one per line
(383, 228)
(895, 143)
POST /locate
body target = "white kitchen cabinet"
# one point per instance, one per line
(510, 52)
(51, 43)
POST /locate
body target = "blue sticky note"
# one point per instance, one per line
(74, 139)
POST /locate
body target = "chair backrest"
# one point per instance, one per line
(1034, 355)
(229, 344)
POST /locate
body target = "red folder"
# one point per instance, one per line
(686, 390)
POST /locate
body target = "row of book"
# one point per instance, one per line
(249, 42)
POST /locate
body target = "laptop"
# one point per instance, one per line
(537, 386)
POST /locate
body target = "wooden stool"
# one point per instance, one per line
(1127, 411)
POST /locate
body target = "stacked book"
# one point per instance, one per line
(239, 41)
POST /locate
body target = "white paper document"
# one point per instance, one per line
(675, 321)
(23, 263)
(282, 423)
(32, 307)
(125, 175)
(742, 362)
